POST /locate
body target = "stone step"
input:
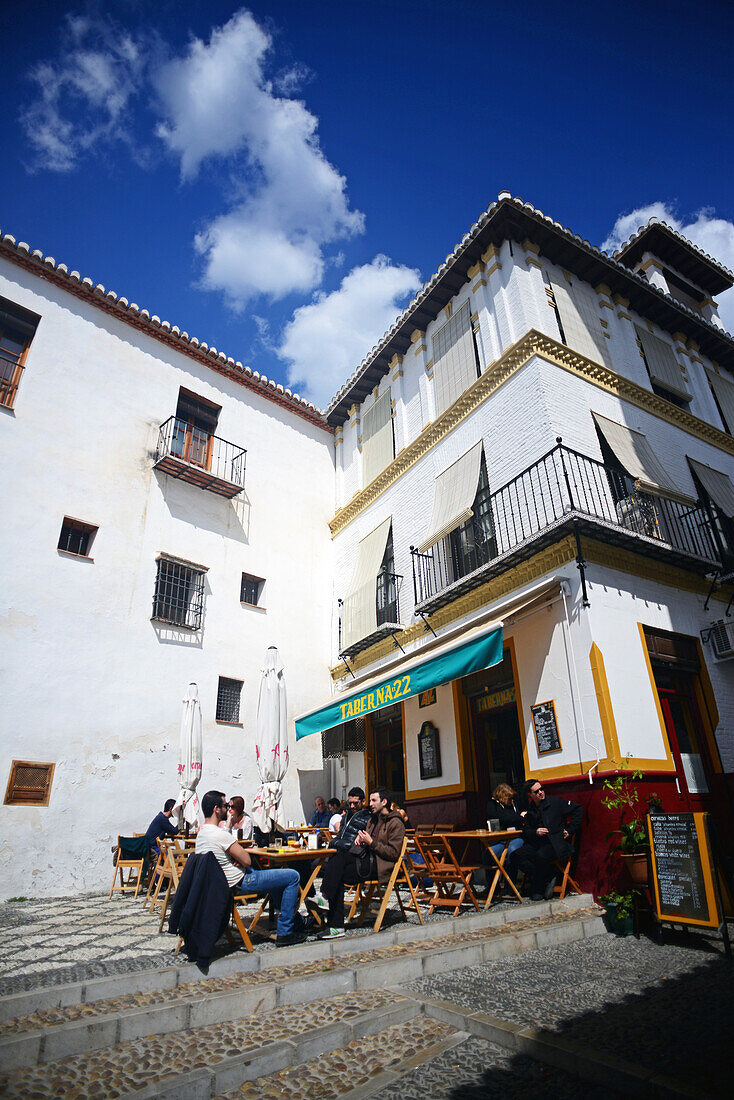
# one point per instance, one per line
(47, 1035)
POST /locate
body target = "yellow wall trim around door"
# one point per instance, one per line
(434, 792)
(606, 712)
(656, 697)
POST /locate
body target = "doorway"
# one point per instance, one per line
(686, 737)
(496, 736)
(388, 758)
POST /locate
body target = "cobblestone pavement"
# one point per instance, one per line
(115, 1071)
(211, 986)
(667, 1005)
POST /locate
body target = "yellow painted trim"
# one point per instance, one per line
(434, 792)
(606, 711)
(656, 697)
(496, 266)
(478, 285)
(531, 262)
(509, 643)
(509, 363)
(712, 897)
(530, 246)
(580, 771)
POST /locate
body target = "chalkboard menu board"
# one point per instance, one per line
(429, 751)
(682, 871)
(545, 725)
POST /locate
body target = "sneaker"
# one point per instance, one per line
(548, 892)
(331, 934)
(321, 901)
(316, 908)
(291, 939)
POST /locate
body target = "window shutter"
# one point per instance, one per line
(662, 363)
(29, 783)
(454, 359)
(634, 453)
(578, 308)
(724, 390)
(359, 614)
(377, 438)
(453, 495)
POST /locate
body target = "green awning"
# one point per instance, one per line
(414, 676)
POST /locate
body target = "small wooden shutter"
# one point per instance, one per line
(29, 784)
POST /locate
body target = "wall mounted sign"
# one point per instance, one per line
(495, 699)
(429, 751)
(427, 698)
(545, 725)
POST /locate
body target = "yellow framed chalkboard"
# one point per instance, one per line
(545, 727)
(684, 885)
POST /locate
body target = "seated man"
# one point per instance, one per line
(321, 815)
(161, 825)
(368, 846)
(237, 819)
(549, 825)
(281, 883)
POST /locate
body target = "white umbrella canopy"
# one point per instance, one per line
(189, 758)
(271, 742)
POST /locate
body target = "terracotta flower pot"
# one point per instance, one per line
(636, 865)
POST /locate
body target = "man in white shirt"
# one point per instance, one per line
(281, 883)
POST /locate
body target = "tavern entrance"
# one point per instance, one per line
(386, 761)
(495, 730)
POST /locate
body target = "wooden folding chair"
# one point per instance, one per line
(444, 829)
(123, 864)
(567, 882)
(372, 890)
(447, 874)
(175, 863)
(158, 873)
(239, 900)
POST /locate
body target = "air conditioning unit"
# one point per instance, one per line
(722, 638)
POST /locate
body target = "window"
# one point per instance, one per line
(378, 448)
(723, 393)
(251, 589)
(663, 368)
(473, 543)
(76, 537)
(228, 700)
(29, 784)
(387, 587)
(194, 428)
(577, 312)
(455, 360)
(17, 329)
(179, 593)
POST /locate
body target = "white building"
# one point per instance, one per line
(453, 521)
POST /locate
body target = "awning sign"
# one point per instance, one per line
(472, 656)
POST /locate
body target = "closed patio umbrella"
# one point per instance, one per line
(189, 759)
(271, 742)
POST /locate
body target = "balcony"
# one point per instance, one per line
(191, 454)
(562, 493)
(387, 588)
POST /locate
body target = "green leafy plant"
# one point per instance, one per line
(623, 903)
(623, 795)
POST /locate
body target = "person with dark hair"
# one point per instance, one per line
(281, 883)
(368, 846)
(503, 808)
(549, 825)
(335, 820)
(237, 819)
(161, 825)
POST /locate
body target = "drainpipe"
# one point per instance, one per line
(571, 660)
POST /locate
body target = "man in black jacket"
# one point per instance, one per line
(549, 825)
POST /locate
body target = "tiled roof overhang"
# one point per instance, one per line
(663, 242)
(45, 267)
(517, 220)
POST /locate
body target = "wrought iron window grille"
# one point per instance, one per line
(229, 693)
(179, 595)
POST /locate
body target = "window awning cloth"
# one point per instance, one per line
(359, 614)
(453, 495)
(718, 486)
(662, 363)
(578, 308)
(454, 359)
(377, 438)
(419, 674)
(724, 390)
(636, 456)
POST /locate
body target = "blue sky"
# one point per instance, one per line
(278, 179)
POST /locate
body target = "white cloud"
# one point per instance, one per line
(82, 99)
(218, 102)
(326, 340)
(714, 235)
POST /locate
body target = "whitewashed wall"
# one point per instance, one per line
(88, 681)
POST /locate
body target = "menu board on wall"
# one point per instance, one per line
(429, 752)
(545, 725)
(682, 869)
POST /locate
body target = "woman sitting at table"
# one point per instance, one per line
(503, 808)
(237, 819)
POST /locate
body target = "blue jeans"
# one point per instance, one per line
(283, 885)
(512, 847)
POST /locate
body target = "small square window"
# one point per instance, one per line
(29, 784)
(228, 700)
(76, 537)
(251, 589)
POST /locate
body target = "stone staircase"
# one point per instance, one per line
(335, 1015)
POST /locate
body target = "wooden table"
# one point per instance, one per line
(487, 839)
(282, 857)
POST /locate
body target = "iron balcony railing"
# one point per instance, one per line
(563, 485)
(206, 460)
(387, 605)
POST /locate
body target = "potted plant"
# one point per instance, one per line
(623, 795)
(620, 906)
